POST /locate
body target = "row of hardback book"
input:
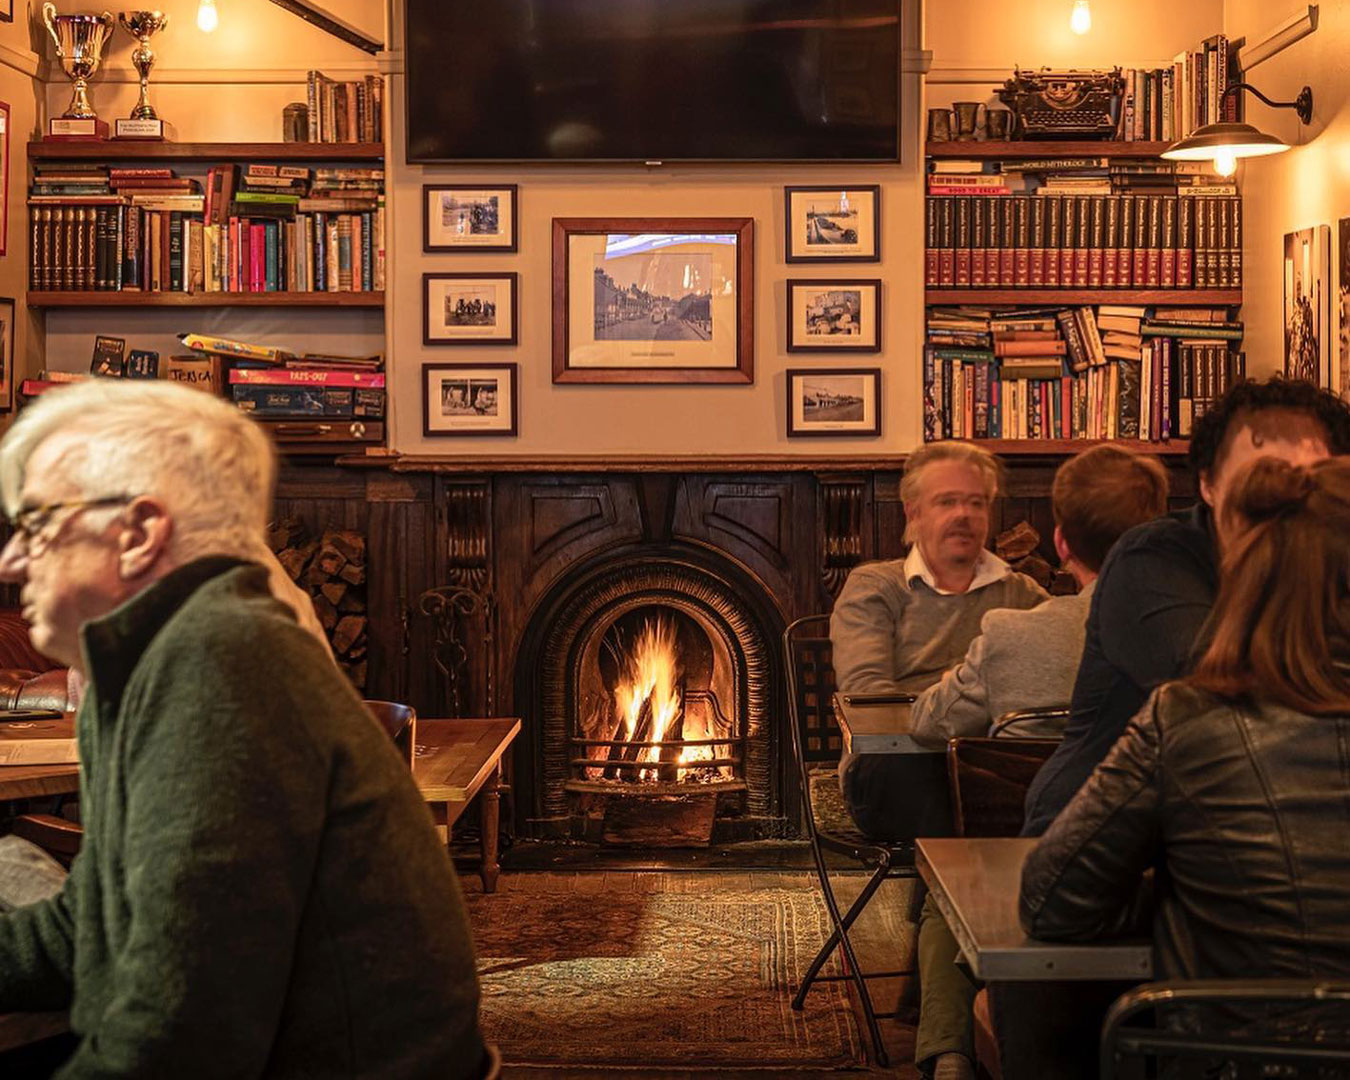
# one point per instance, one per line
(121, 248)
(345, 111)
(1167, 103)
(1083, 241)
(1158, 398)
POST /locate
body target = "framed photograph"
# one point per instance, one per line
(833, 401)
(6, 354)
(469, 309)
(6, 10)
(832, 225)
(1343, 308)
(653, 300)
(4, 167)
(464, 218)
(1307, 305)
(468, 399)
(834, 316)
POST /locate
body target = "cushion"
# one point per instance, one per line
(828, 806)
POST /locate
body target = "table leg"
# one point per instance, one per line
(489, 809)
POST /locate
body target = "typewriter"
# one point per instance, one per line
(1049, 104)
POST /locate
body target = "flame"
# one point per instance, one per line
(652, 671)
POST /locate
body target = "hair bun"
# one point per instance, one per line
(1273, 487)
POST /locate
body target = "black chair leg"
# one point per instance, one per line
(839, 936)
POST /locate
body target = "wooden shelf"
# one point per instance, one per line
(1033, 148)
(1023, 447)
(113, 150)
(1078, 297)
(130, 299)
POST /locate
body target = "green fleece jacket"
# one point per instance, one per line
(260, 891)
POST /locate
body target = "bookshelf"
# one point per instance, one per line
(1025, 297)
(325, 321)
(1027, 149)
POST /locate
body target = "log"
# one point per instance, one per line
(353, 574)
(351, 545)
(329, 561)
(288, 532)
(348, 629)
(293, 562)
(334, 591)
(352, 604)
(640, 734)
(327, 613)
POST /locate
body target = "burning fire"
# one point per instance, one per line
(650, 707)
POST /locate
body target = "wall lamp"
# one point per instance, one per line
(1225, 143)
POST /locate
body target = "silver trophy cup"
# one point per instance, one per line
(79, 46)
(142, 25)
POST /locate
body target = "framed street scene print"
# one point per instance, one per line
(6, 354)
(834, 316)
(469, 309)
(653, 300)
(1307, 305)
(832, 224)
(833, 401)
(463, 218)
(469, 399)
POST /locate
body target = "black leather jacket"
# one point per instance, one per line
(1245, 812)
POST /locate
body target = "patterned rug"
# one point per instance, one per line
(659, 979)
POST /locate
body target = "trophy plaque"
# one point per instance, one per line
(144, 122)
(79, 46)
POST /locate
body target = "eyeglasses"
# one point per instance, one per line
(30, 524)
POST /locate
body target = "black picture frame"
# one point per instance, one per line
(435, 241)
(441, 286)
(865, 336)
(805, 241)
(800, 424)
(468, 423)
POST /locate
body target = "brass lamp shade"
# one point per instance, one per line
(1239, 140)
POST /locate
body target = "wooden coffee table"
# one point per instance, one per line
(456, 760)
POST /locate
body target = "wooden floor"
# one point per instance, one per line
(880, 936)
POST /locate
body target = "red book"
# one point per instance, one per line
(1068, 231)
(1007, 236)
(946, 237)
(962, 242)
(257, 248)
(930, 251)
(1022, 239)
(1185, 240)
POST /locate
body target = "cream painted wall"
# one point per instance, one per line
(1310, 184)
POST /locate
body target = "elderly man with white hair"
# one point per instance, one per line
(899, 625)
(260, 890)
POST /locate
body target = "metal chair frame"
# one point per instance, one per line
(1121, 1042)
(885, 860)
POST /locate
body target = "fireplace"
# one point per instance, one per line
(650, 682)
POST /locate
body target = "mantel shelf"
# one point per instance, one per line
(112, 150)
(1034, 148)
(131, 299)
(1069, 297)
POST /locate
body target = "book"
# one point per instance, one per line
(109, 356)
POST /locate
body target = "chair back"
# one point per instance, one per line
(988, 779)
(400, 721)
(1033, 723)
(816, 738)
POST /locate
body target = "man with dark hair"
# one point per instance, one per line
(1158, 584)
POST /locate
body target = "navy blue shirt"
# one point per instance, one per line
(1153, 595)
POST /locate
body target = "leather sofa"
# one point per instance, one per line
(28, 680)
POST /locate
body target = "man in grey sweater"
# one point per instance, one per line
(899, 625)
(1022, 660)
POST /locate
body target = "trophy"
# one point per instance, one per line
(79, 46)
(143, 123)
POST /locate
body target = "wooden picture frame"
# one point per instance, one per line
(465, 400)
(469, 218)
(827, 223)
(653, 300)
(7, 314)
(833, 316)
(7, 11)
(4, 170)
(470, 309)
(833, 402)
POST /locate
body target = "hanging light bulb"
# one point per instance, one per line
(1225, 161)
(207, 18)
(1080, 22)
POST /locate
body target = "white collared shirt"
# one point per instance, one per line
(989, 568)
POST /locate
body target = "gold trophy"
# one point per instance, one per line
(79, 46)
(144, 122)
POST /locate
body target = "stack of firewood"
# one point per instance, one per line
(333, 571)
(1018, 548)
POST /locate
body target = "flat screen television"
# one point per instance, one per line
(653, 80)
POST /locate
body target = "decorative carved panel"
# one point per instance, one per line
(841, 527)
(756, 514)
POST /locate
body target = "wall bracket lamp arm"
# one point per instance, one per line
(1302, 105)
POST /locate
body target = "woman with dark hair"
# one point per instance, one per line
(1234, 783)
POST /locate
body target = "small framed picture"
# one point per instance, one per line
(6, 10)
(463, 218)
(833, 401)
(831, 224)
(468, 399)
(4, 163)
(834, 316)
(469, 309)
(6, 354)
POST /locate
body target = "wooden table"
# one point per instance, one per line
(877, 724)
(975, 883)
(40, 781)
(456, 760)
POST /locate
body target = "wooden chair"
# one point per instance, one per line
(1260, 1044)
(816, 740)
(400, 721)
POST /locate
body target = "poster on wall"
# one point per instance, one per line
(1307, 305)
(1343, 307)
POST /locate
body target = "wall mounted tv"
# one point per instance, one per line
(653, 80)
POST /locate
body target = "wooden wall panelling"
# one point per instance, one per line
(844, 512)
